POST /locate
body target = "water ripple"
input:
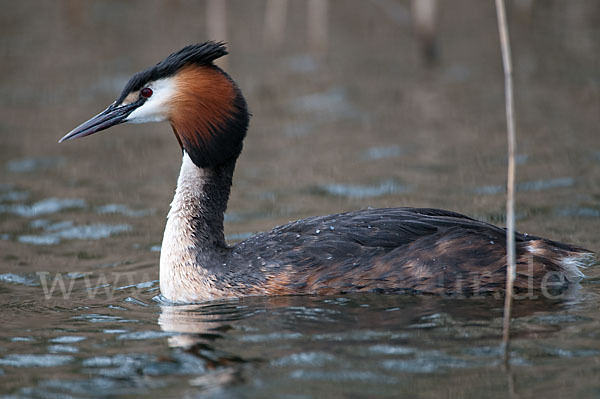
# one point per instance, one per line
(377, 153)
(17, 279)
(363, 191)
(304, 359)
(123, 210)
(44, 207)
(68, 339)
(32, 164)
(66, 230)
(28, 360)
(536, 185)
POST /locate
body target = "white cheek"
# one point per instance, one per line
(149, 112)
(156, 108)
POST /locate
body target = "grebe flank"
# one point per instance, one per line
(384, 250)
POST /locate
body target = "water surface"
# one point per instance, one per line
(364, 123)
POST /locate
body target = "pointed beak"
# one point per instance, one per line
(111, 116)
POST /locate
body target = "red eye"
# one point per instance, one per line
(146, 92)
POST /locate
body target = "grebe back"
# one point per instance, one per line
(383, 250)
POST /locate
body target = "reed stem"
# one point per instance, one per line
(510, 187)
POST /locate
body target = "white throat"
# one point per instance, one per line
(181, 279)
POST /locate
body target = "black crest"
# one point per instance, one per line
(199, 54)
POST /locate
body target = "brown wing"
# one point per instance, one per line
(396, 249)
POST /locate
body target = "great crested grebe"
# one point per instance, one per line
(383, 250)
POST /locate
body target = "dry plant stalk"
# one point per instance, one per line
(216, 24)
(317, 17)
(510, 186)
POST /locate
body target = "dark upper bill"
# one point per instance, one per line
(113, 115)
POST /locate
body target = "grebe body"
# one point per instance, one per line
(415, 250)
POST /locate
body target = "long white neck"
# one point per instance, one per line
(193, 245)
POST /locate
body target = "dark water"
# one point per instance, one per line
(354, 122)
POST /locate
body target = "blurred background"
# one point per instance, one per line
(355, 103)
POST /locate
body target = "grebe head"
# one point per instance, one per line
(205, 107)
